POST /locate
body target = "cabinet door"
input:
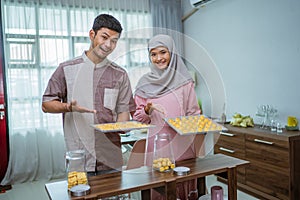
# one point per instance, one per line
(268, 171)
(231, 144)
(268, 151)
(273, 185)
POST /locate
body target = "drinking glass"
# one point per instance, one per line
(273, 125)
(279, 127)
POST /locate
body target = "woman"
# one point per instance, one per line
(167, 91)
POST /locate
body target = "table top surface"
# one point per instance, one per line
(145, 178)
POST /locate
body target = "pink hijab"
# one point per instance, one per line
(160, 82)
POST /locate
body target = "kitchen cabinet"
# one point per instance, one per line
(274, 170)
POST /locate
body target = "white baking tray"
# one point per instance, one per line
(194, 124)
(121, 126)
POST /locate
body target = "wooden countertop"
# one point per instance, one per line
(256, 130)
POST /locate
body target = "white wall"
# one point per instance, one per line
(255, 47)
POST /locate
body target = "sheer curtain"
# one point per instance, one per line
(166, 19)
(38, 35)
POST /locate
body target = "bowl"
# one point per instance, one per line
(80, 190)
(181, 171)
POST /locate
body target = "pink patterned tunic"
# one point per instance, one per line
(180, 102)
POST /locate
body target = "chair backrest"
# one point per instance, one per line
(137, 156)
(199, 145)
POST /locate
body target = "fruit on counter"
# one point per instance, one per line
(242, 121)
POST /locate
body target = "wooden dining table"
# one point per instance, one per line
(143, 179)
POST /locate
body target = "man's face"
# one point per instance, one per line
(104, 42)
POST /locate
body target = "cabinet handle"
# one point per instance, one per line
(227, 150)
(263, 141)
(227, 134)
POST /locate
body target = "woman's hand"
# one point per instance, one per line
(148, 108)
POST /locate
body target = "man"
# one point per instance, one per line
(88, 90)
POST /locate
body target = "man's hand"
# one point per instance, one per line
(59, 107)
(74, 107)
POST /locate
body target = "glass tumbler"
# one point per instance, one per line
(279, 127)
(163, 158)
(273, 125)
(76, 168)
(216, 193)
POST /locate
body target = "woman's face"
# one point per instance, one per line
(160, 57)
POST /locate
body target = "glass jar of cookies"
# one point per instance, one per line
(163, 158)
(76, 168)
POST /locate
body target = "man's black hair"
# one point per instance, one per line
(107, 21)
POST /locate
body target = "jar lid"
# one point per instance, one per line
(181, 170)
(80, 190)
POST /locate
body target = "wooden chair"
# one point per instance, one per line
(137, 156)
(199, 145)
(136, 159)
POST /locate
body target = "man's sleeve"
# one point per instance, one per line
(56, 88)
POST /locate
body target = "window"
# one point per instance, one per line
(40, 36)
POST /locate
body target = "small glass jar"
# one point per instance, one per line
(273, 125)
(279, 127)
(163, 158)
(76, 168)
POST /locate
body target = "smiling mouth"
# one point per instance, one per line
(161, 63)
(106, 51)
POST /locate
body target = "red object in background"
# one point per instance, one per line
(3, 132)
(4, 150)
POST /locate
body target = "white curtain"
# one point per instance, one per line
(166, 19)
(38, 35)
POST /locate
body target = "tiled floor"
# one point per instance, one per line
(212, 180)
(36, 191)
(26, 191)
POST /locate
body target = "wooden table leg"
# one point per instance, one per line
(201, 186)
(145, 194)
(170, 189)
(232, 184)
